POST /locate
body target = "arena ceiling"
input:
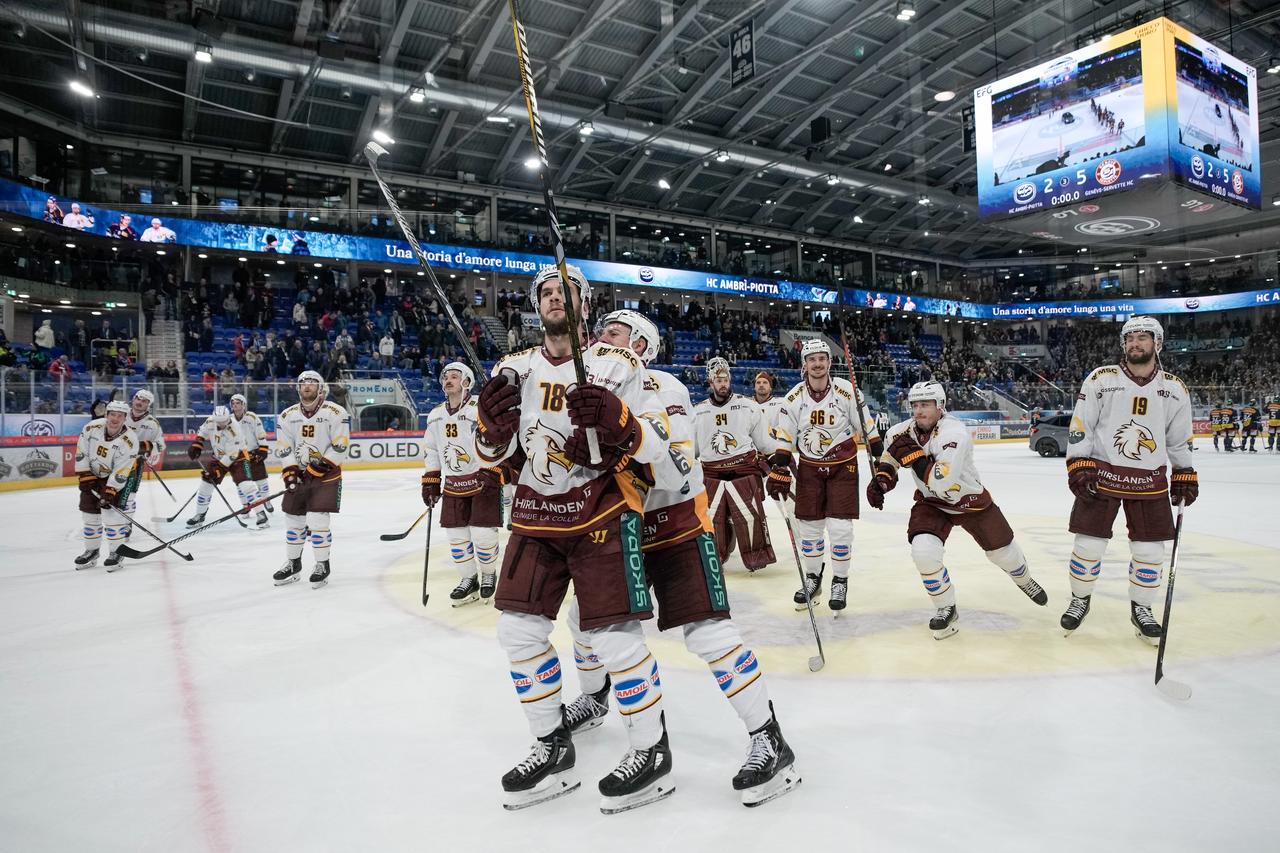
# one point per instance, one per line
(649, 76)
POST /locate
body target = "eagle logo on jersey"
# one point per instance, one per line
(721, 441)
(815, 441)
(455, 457)
(1132, 438)
(545, 447)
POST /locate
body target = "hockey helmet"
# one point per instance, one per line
(144, 395)
(642, 328)
(221, 415)
(1142, 323)
(240, 398)
(117, 406)
(468, 378)
(313, 376)
(552, 273)
(922, 391)
(716, 366)
(812, 346)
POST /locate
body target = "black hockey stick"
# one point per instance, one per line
(819, 660)
(160, 480)
(426, 556)
(180, 509)
(1167, 686)
(863, 414)
(549, 201)
(120, 551)
(396, 537)
(132, 554)
(218, 488)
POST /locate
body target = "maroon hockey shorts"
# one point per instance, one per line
(827, 491)
(1149, 520)
(315, 494)
(987, 526)
(688, 583)
(483, 509)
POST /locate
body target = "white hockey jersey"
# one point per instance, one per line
(251, 430)
(1134, 429)
(773, 410)
(731, 435)
(325, 434)
(825, 427)
(676, 507)
(110, 458)
(951, 483)
(449, 447)
(554, 497)
(149, 434)
(225, 443)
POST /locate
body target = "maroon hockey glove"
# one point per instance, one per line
(593, 406)
(612, 457)
(319, 467)
(1082, 478)
(292, 477)
(109, 497)
(492, 478)
(499, 411)
(779, 483)
(431, 487)
(885, 479)
(89, 483)
(908, 453)
(1184, 486)
(876, 446)
(195, 450)
(258, 454)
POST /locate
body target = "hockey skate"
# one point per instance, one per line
(769, 771)
(261, 520)
(641, 778)
(196, 520)
(87, 560)
(488, 585)
(320, 574)
(289, 572)
(545, 774)
(836, 599)
(1034, 591)
(1145, 626)
(113, 562)
(465, 592)
(1076, 611)
(943, 624)
(812, 585)
(588, 710)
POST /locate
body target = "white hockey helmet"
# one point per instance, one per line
(1143, 323)
(814, 345)
(641, 328)
(117, 406)
(552, 273)
(221, 415)
(468, 378)
(922, 391)
(144, 395)
(241, 399)
(716, 366)
(313, 376)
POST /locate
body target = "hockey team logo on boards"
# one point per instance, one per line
(37, 465)
(1192, 303)
(722, 442)
(1197, 166)
(1108, 171)
(1118, 226)
(646, 274)
(455, 458)
(1024, 192)
(1133, 438)
(38, 427)
(5, 469)
(1237, 183)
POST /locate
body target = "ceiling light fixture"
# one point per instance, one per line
(80, 89)
(532, 163)
(380, 135)
(664, 184)
(906, 10)
(586, 128)
(944, 96)
(204, 53)
(417, 94)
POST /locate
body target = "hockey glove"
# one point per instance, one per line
(258, 454)
(89, 483)
(292, 477)
(908, 453)
(431, 487)
(1184, 486)
(214, 472)
(492, 478)
(154, 459)
(1082, 478)
(109, 496)
(779, 483)
(591, 406)
(498, 411)
(194, 451)
(876, 446)
(144, 448)
(612, 457)
(319, 466)
(885, 479)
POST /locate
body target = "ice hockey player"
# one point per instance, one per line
(230, 456)
(688, 582)
(1219, 416)
(105, 456)
(762, 387)
(1250, 426)
(579, 523)
(255, 440)
(936, 448)
(312, 441)
(733, 442)
(1273, 424)
(471, 511)
(150, 439)
(1231, 426)
(1127, 445)
(826, 418)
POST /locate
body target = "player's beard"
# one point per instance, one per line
(720, 397)
(556, 328)
(1141, 359)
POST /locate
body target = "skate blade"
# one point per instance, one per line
(319, 583)
(1151, 641)
(117, 567)
(288, 580)
(86, 566)
(783, 783)
(802, 606)
(461, 602)
(836, 612)
(945, 632)
(593, 723)
(554, 786)
(659, 790)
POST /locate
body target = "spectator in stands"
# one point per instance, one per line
(206, 335)
(513, 340)
(231, 307)
(124, 363)
(78, 341)
(254, 364)
(44, 337)
(316, 358)
(297, 358)
(209, 380)
(387, 350)
(60, 369)
(149, 302)
(226, 383)
(395, 326)
(238, 348)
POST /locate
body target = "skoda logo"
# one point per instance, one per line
(37, 427)
(1192, 304)
(646, 274)
(1197, 166)
(1118, 226)
(1024, 192)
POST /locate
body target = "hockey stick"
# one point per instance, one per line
(180, 509)
(218, 488)
(120, 551)
(818, 661)
(1167, 686)
(132, 554)
(549, 201)
(395, 537)
(426, 555)
(160, 480)
(863, 414)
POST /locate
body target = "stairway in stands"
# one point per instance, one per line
(163, 345)
(497, 333)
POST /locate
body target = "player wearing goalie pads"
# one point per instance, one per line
(106, 453)
(1128, 446)
(937, 451)
(312, 441)
(255, 440)
(734, 443)
(469, 493)
(220, 436)
(823, 419)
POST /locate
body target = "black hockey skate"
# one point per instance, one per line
(545, 774)
(87, 560)
(465, 592)
(839, 594)
(1145, 626)
(114, 561)
(289, 572)
(196, 520)
(641, 778)
(1035, 592)
(1076, 611)
(812, 585)
(320, 574)
(488, 585)
(588, 710)
(943, 624)
(769, 771)
(261, 520)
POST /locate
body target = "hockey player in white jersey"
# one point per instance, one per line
(471, 510)
(687, 582)
(226, 445)
(313, 438)
(822, 421)
(733, 441)
(762, 387)
(255, 439)
(580, 521)
(1128, 445)
(105, 456)
(936, 448)
(150, 440)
